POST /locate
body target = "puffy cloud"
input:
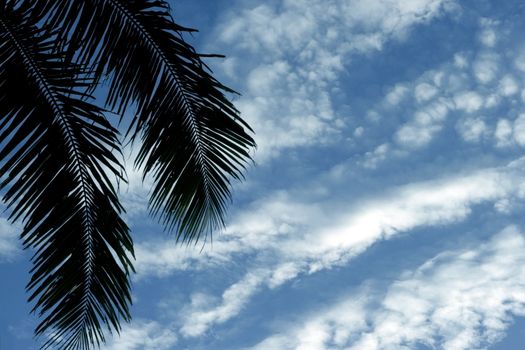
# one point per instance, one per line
(424, 92)
(488, 36)
(468, 101)
(510, 133)
(396, 94)
(143, 335)
(472, 129)
(486, 67)
(508, 86)
(461, 299)
(472, 86)
(519, 130)
(426, 123)
(376, 156)
(503, 133)
(293, 53)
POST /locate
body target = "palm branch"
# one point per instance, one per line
(193, 139)
(57, 155)
(58, 166)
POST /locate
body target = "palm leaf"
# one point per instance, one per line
(58, 167)
(193, 139)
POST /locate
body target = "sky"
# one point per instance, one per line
(385, 207)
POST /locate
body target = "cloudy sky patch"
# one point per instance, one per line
(385, 206)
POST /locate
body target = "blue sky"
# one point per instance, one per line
(386, 207)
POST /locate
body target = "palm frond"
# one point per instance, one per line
(59, 167)
(193, 139)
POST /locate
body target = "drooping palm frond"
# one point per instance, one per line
(193, 139)
(58, 167)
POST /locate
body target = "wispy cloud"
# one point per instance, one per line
(292, 239)
(326, 227)
(143, 335)
(461, 299)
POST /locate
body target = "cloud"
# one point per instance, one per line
(472, 129)
(294, 52)
(510, 133)
(9, 248)
(461, 299)
(503, 133)
(290, 237)
(426, 123)
(316, 232)
(200, 315)
(425, 91)
(488, 35)
(142, 335)
(486, 67)
(134, 194)
(508, 86)
(293, 55)
(473, 86)
(376, 156)
(468, 101)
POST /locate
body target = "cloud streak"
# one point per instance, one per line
(143, 335)
(292, 239)
(461, 299)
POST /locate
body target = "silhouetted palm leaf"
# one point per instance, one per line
(193, 140)
(56, 156)
(57, 161)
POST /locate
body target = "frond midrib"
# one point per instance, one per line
(196, 138)
(87, 222)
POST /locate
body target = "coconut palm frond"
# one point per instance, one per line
(58, 165)
(193, 139)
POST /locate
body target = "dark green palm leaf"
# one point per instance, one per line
(193, 139)
(57, 152)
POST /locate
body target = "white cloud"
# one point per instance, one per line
(472, 129)
(317, 233)
(508, 86)
(9, 248)
(470, 85)
(426, 123)
(488, 36)
(503, 133)
(202, 313)
(424, 92)
(468, 101)
(460, 61)
(509, 133)
(519, 61)
(519, 130)
(396, 94)
(142, 335)
(486, 67)
(375, 157)
(294, 52)
(291, 238)
(134, 194)
(459, 300)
